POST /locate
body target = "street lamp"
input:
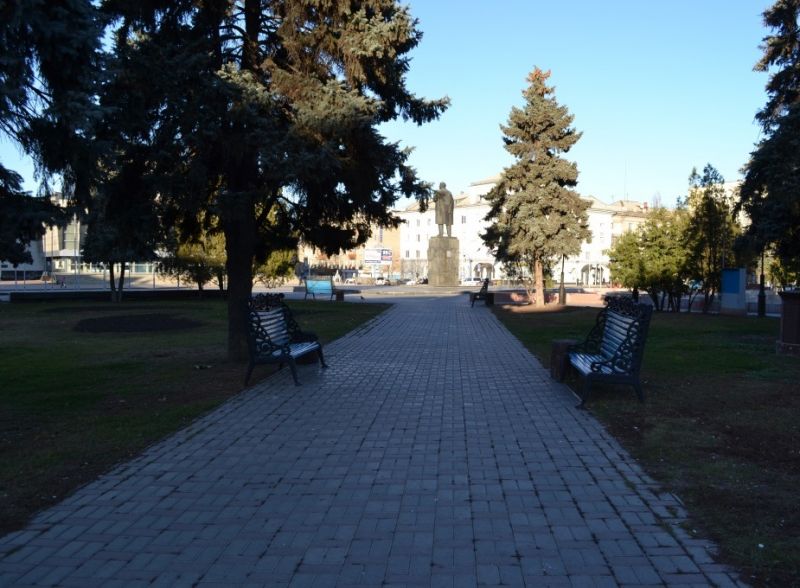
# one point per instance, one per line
(562, 292)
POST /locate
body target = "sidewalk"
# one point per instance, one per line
(435, 451)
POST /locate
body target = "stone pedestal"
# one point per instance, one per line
(789, 343)
(443, 261)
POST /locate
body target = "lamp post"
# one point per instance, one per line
(762, 296)
(562, 291)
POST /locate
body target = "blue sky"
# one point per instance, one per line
(655, 87)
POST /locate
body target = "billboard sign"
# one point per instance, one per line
(377, 256)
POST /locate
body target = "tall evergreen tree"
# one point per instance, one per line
(781, 51)
(535, 214)
(770, 193)
(47, 79)
(276, 101)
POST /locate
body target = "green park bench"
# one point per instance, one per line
(613, 349)
(482, 294)
(275, 337)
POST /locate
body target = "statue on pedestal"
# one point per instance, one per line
(444, 209)
(443, 251)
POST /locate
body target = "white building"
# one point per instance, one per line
(589, 267)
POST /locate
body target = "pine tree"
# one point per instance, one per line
(769, 193)
(535, 214)
(266, 102)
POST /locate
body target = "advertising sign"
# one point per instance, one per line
(372, 256)
(377, 256)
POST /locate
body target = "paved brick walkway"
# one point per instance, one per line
(435, 451)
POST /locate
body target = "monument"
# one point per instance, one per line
(443, 250)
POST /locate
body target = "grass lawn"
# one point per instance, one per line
(720, 428)
(76, 399)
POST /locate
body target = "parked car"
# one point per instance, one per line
(382, 282)
(472, 281)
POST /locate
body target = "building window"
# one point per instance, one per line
(417, 222)
(417, 253)
(463, 220)
(380, 235)
(417, 238)
(408, 254)
(429, 221)
(588, 255)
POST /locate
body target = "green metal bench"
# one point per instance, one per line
(275, 337)
(613, 350)
(323, 287)
(482, 294)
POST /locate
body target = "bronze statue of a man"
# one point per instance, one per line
(444, 209)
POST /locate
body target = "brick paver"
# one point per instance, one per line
(435, 451)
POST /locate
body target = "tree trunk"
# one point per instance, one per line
(654, 296)
(239, 245)
(706, 302)
(237, 206)
(538, 272)
(112, 280)
(678, 300)
(120, 283)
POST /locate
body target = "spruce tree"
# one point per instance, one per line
(275, 103)
(536, 216)
(769, 193)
